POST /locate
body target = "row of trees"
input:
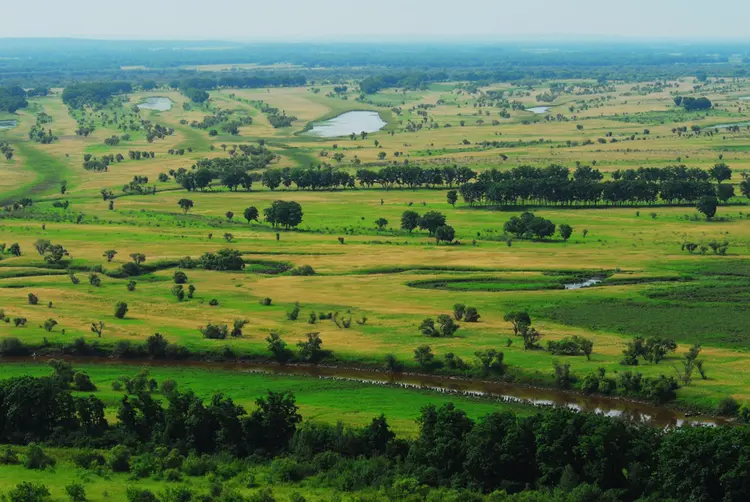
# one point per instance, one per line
(555, 185)
(593, 456)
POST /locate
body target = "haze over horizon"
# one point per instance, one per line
(388, 20)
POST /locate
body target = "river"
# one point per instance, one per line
(637, 411)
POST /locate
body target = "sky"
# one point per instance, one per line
(379, 20)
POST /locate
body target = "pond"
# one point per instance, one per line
(539, 110)
(347, 123)
(583, 284)
(158, 103)
(8, 124)
(724, 126)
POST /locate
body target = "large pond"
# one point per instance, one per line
(348, 123)
(498, 391)
(8, 124)
(539, 110)
(158, 103)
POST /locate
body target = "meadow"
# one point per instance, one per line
(392, 277)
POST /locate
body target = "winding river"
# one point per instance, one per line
(506, 392)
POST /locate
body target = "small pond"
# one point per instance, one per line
(583, 284)
(539, 110)
(158, 103)
(724, 126)
(347, 123)
(8, 124)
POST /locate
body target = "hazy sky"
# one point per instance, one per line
(379, 19)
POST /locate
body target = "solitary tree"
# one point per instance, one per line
(381, 223)
(185, 204)
(444, 233)
(565, 231)
(138, 258)
(452, 197)
(121, 308)
(98, 328)
(251, 213)
(109, 254)
(707, 205)
(517, 319)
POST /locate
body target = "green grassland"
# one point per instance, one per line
(653, 287)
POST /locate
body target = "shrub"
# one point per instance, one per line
(214, 302)
(471, 315)
(304, 270)
(82, 382)
(9, 457)
(131, 285)
(87, 459)
(121, 308)
(19, 321)
(293, 314)
(135, 494)
(266, 302)
(728, 407)
(458, 311)
(95, 280)
(187, 263)
(168, 386)
(76, 492)
(214, 331)
(36, 458)
(28, 492)
(180, 277)
(33, 299)
(119, 459)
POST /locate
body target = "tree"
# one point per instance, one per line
(278, 348)
(138, 258)
(185, 204)
(517, 319)
(452, 197)
(565, 231)
(490, 361)
(311, 350)
(381, 223)
(720, 172)
(121, 308)
(458, 311)
(229, 215)
(41, 245)
(15, 249)
(431, 221)
(424, 356)
(50, 324)
(251, 214)
(180, 277)
(98, 328)
(109, 254)
(287, 214)
(410, 219)
(530, 337)
(707, 205)
(444, 233)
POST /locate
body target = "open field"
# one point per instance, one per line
(654, 287)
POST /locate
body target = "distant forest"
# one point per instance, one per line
(54, 62)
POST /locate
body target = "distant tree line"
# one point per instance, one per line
(556, 186)
(93, 93)
(12, 99)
